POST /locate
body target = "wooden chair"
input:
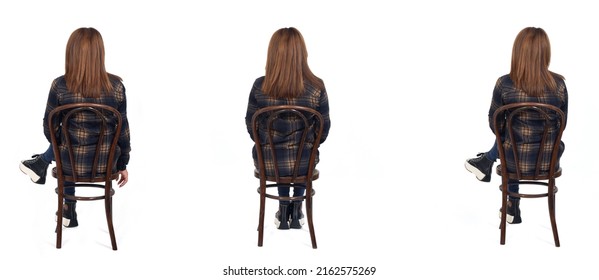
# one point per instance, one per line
(264, 119)
(63, 127)
(546, 168)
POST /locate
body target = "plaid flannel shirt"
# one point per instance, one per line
(527, 127)
(85, 127)
(288, 130)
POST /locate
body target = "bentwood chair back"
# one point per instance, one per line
(271, 144)
(101, 123)
(533, 160)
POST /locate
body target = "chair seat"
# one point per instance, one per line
(542, 176)
(99, 178)
(288, 180)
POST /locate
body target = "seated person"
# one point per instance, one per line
(288, 81)
(85, 80)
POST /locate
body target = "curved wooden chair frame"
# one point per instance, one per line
(271, 114)
(552, 118)
(59, 118)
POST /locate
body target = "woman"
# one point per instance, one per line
(288, 81)
(85, 80)
(529, 81)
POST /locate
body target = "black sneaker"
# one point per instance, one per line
(35, 168)
(69, 215)
(481, 166)
(282, 216)
(297, 216)
(513, 211)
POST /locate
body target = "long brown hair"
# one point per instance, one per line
(287, 65)
(531, 55)
(85, 72)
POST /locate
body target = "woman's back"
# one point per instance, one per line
(84, 128)
(528, 126)
(289, 129)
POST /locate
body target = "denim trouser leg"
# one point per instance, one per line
(514, 187)
(493, 154)
(69, 191)
(48, 155)
(297, 191)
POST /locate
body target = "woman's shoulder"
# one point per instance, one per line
(118, 89)
(258, 82)
(505, 79)
(59, 84)
(257, 87)
(315, 87)
(59, 80)
(561, 89)
(504, 84)
(315, 90)
(115, 80)
(559, 79)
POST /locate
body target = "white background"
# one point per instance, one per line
(409, 84)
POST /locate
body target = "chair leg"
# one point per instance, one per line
(59, 226)
(261, 214)
(108, 208)
(309, 216)
(59, 216)
(551, 202)
(502, 225)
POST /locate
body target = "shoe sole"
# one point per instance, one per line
(479, 175)
(281, 226)
(509, 219)
(66, 222)
(297, 224)
(34, 177)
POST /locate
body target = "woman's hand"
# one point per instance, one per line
(123, 178)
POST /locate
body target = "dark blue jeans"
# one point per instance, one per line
(299, 190)
(493, 155)
(48, 157)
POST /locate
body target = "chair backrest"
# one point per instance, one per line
(84, 137)
(528, 136)
(286, 142)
